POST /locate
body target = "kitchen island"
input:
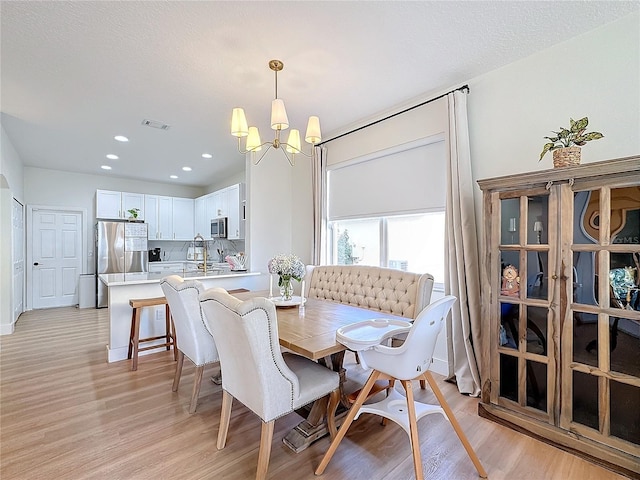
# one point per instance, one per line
(125, 286)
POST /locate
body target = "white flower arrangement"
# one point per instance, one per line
(287, 266)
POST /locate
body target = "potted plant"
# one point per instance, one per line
(567, 142)
(133, 213)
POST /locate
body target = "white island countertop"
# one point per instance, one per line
(116, 279)
(125, 286)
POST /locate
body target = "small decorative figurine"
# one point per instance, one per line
(510, 281)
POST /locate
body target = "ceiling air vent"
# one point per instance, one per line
(154, 124)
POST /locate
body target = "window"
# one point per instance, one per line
(412, 243)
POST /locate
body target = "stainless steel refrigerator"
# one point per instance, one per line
(121, 247)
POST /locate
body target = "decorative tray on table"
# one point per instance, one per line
(369, 333)
(295, 301)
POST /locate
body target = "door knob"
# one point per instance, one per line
(36, 263)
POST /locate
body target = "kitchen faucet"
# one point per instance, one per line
(204, 250)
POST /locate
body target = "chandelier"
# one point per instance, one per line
(279, 122)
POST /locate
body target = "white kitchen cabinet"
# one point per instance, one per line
(165, 218)
(151, 216)
(159, 217)
(166, 267)
(115, 205)
(183, 217)
(130, 201)
(169, 218)
(200, 221)
(234, 210)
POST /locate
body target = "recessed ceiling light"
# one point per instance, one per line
(173, 176)
(105, 167)
(111, 156)
(207, 155)
(186, 169)
(121, 138)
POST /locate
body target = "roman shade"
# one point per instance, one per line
(403, 179)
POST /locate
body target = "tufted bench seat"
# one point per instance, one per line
(380, 289)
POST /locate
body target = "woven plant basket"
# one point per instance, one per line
(566, 157)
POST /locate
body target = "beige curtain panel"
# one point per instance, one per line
(462, 271)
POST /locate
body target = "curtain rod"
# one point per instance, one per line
(464, 87)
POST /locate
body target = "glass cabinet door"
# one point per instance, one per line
(526, 381)
(601, 376)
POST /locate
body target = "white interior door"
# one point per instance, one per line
(56, 257)
(17, 220)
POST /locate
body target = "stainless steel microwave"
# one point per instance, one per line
(219, 227)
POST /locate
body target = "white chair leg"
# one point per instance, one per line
(176, 378)
(266, 438)
(456, 426)
(413, 429)
(197, 381)
(225, 416)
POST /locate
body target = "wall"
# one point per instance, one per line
(11, 166)
(270, 207)
(226, 182)
(512, 108)
(56, 188)
(596, 74)
(11, 186)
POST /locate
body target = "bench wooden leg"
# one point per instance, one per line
(136, 338)
(131, 333)
(167, 326)
(175, 339)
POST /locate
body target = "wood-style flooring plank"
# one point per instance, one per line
(66, 413)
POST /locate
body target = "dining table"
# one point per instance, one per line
(308, 327)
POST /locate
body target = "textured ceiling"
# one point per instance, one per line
(74, 74)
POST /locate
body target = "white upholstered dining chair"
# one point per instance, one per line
(193, 339)
(257, 373)
(407, 362)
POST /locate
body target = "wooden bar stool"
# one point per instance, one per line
(137, 304)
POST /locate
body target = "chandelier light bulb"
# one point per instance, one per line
(293, 143)
(253, 140)
(239, 123)
(279, 119)
(313, 134)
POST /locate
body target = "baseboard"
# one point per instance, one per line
(440, 366)
(7, 329)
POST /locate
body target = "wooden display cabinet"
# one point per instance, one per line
(561, 308)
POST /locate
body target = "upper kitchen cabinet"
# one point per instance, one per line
(206, 209)
(233, 205)
(116, 205)
(200, 220)
(228, 202)
(183, 218)
(169, 218)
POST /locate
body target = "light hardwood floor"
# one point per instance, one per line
(67, 414)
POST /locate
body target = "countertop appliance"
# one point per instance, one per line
(121, 247)
(154, 255)
(219, 227)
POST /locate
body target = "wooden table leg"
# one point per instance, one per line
(314, 426)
